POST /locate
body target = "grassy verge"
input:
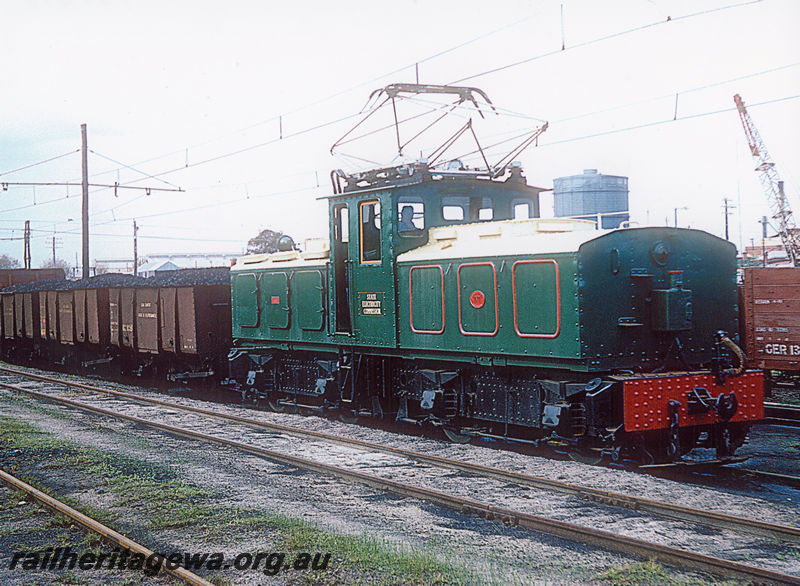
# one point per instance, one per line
(651, 573)
(157, 493)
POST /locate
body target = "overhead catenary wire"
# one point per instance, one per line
(543, 144)
(605, 38)
(514, 64)
(132, 168)
(360, 85)
(39, 163)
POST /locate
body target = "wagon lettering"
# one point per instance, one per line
(782, 349)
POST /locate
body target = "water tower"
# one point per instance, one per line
(591, 193)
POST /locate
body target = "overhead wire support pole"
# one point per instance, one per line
(728, 206)
(27, 251)
(84, 206)
(135, 251)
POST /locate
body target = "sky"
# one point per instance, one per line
(238, 104)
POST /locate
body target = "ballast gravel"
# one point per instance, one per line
(494, 551)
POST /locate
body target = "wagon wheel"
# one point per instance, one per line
(455, 437)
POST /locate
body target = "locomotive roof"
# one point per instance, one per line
(504, 238)
(419, 172)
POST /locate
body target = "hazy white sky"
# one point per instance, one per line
(160, 84)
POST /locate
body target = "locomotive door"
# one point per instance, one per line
(340, 273)
(372, 280)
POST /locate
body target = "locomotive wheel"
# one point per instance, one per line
(345, 417)
(584, 458)
(724, 443)
(275, 406)
(455, 437)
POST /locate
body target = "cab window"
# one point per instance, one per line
(455, 208)
(522, 210)
(410, 216)
(483, 205)
(369, 216)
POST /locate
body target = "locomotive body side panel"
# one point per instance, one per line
(503, 292)
(280, 302)
(521, 306)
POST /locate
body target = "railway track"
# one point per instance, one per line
(782, 414)
(96, 527)
(672, 511)
(784, 479)
(597, 537)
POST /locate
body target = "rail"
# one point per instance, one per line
(596, 537)
(97, 527)
(720, 520)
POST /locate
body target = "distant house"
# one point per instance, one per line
(154, 267)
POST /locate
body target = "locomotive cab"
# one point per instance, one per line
(380, 214)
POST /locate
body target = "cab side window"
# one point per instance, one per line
(522, 210)
(369, 216)
(455, 208)
(410, 216)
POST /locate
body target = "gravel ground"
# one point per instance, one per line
(353, 509)
(28, 527)
(773, 448)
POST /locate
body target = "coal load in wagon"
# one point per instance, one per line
(191, 277)
(45, 285)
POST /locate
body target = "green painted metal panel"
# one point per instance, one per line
(559, 348)
(426, 299)
(245, 300)
(477, 299)
(275, 299)
(632, 308)
(536, 298)
(309, 299)
(372, 278)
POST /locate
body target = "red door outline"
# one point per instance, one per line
(411, 300)
(558, 298)
(496, 313)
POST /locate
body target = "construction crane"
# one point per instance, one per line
(773, 186)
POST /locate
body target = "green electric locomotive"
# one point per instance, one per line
(442, 298)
